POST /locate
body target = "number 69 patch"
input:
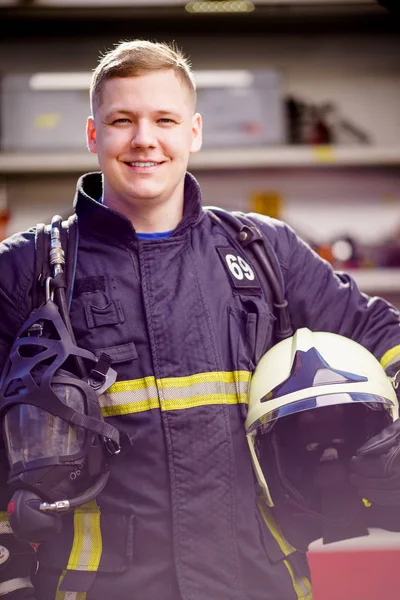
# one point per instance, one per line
(241, 275)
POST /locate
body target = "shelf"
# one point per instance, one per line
(218, 158)
(170, 3)
(377, 281)
(297, 156)
(47, 162)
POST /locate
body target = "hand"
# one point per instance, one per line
(16, 561)
(375, 470)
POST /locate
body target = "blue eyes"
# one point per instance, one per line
(164, 120)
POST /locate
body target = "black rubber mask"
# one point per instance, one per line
(54, 431)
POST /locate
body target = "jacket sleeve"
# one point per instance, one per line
(17, 559)
(324, 300)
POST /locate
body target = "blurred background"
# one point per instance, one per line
(301, 105)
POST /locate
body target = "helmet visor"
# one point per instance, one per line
(267, 420)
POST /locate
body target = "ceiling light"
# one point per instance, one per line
(219, 6)
(60, 81)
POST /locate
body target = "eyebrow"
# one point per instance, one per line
(161, 112)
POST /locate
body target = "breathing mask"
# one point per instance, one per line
(56, 439)
(315, 398)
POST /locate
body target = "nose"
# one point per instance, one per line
(144, 136)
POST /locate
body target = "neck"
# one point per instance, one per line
(156, 219)
(149, 215)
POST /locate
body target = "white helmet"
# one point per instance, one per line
(290, 441)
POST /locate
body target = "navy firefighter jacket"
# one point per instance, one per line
(179, 517)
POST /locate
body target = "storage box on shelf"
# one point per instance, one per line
(48, 111)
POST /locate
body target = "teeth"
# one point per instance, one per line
(143, 164)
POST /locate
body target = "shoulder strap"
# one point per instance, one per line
(39, 265)
(70, 227)
(255, 246)
(69, 241)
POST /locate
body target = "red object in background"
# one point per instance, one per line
(4, 218)
(355, 574)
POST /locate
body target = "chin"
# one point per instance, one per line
(137, 195)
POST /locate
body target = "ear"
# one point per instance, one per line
(91, 135)
(197, 138)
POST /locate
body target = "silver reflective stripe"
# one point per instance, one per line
(14, 584)
(390, 357)
(301, 585)
(125, 397)
(395, 360)
(205, 389)
(5, 527)
(4, 524)
(88, 545)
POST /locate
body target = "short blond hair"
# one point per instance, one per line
(137, 57)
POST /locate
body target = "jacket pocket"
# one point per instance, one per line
(98, 316)
(242, 335)
(250, 333)
(89, 542)
(119, 354)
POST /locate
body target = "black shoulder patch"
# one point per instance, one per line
(242, 276)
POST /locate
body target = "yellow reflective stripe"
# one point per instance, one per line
(273, 526)
(60, 595)
(129, 408)
(204, 389)
(133, 384)
(128, 397)
(70, 595)
(87, 545)
(301, 586)
(77, 543)
(177, 393)
(389, 355)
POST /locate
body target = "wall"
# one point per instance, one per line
(361, 74)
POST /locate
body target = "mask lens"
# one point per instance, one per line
(32, 433)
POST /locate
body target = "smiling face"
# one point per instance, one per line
(143, 132)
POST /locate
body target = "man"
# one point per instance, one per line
(155, 290)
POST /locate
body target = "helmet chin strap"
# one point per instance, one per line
(336, 510)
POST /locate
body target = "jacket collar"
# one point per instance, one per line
(100, 220)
